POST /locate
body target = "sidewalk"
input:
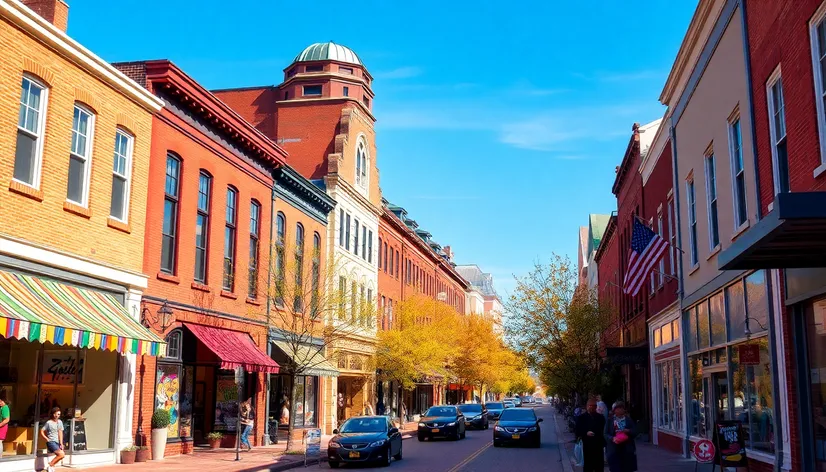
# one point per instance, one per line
(650, 458)
(259, 459)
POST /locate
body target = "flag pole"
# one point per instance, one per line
(645, 223)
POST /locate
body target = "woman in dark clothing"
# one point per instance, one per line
(620, 431)
(589, 428)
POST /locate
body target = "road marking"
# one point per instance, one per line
(470, 458)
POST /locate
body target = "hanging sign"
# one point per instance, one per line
(704, 451)
(60, 367)
(731, 450)
(749, 354)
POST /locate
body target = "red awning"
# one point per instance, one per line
(234, 348)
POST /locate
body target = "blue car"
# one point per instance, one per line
(365, 439)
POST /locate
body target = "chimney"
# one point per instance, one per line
(449, 253)
(54, 11)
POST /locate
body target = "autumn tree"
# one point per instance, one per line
(557, 328)
(481, 354)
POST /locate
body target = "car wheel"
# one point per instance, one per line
(334, 465)
(398, 456)
(387, 457)
(537, 443)
(421, 438)
(496, 443)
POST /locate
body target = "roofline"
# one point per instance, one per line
(626, 160)
(661, 138)
(331, 61)
(242, 89)
(610, 229)
(44, 31)
(690, 39)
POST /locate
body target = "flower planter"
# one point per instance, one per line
(214, 443)
(143, 455)
(158, 443)
(127, 457)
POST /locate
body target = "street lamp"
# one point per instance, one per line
(163, 317)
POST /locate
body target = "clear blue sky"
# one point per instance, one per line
(499, 123)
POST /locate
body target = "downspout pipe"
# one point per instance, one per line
(269, 343)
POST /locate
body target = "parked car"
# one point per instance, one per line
(517, 425)
(516, 401)
(495, 409)
(365, 439)
(527, 400)
(442, 421)
(476, 416)
(508, 404)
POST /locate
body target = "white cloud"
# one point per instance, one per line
(400, 73)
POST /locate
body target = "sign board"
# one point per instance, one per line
(79, 436)
(60, 367)
(704, 451)
(749, 354)
(312, 445)
(731, 450)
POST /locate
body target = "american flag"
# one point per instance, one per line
(646, 249)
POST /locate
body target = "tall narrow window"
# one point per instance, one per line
(121, 175)
(662, 259)
(777, 127)
(386, 255)
(229, 239)
(298, 298)
(380, 253)
(347, 233)
(316, 275)
(280, 262)
(370, 247)
(255, 231)
(817, 30)
(361, 164)
(341, 228)
(202, 226)
(77, 190)
(397, 263)
(364, 242)
(354, 302)
(342, 297)
(356, 236)
(653, 272)
(738, 173)
(169, 231)
(692, 222)
(672, 239)
(28, 153)
(711, 198)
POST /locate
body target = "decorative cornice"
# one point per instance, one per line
(631, 152)
(301, 193)
(690, 41)
(606, 238)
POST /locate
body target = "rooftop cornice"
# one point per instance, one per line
(166, 76)
(630, 153)
(606, 237)
(302, 101)
(331, 61)
(289, 179)
(314, 76)
(690, 40)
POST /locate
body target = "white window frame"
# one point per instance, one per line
(127, 176)
(735, 154)
(39, 135)
(87, 158)
(710, 166)
(776, 76)
(660, 277)
(362, 164)
(653, 275)
(691, 210)
(820, 92)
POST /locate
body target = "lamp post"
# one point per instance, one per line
(163, 318)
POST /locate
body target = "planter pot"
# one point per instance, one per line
(214, 443)
(158, 443)
(127, 457)
(143, 455)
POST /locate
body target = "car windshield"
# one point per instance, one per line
(441, 411)
(509, 404)
(473, 408)
(517, 415)
(494, 406)
(364, 425)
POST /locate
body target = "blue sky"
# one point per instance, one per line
(499, 124)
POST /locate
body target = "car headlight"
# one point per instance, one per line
(377, 443)
(498, 428)
(334, 444)
(452, 424)
(422, 425)
(532, 429)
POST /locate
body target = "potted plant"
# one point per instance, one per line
(127, 455)
(214, 438)
(160, 427)
(143, 454)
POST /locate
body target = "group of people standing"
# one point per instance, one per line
(607, 434)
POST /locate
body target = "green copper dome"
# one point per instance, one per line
(328, 52)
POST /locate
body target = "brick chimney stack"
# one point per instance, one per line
(55, 11)
(448, 252)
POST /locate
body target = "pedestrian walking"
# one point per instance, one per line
(590, 429)
(52, 433)
(5, 416)
(247, 422)
(620, 431)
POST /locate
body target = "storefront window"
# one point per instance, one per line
(816, 335)
(670, 391)
(717, 315)
(226, 401)
(754, 398)
(298, 419)
(703, 330)
(757, 302)
(167, 395)
(310, 401)
(306, 402)
(736, 311)
(691, 340)
(697, 412)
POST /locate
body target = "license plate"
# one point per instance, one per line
(354, 454)
(434, 430)
(515, 436)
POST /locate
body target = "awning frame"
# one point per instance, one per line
(321, 368)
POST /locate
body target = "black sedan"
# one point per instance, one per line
(365, 439)
(442, 421)
(517, 425)
(476, 416)
(494, 410)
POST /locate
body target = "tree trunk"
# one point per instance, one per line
(291, 423)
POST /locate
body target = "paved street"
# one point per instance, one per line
(476, 453)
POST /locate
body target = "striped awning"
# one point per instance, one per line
(38, 309)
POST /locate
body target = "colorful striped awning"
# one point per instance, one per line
(38, 309)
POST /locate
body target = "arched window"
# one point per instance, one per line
(361, 164)
(316, 275)
(173, 345)
(280, 230)
(298, 298)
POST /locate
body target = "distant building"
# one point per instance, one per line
(481, 283)
(596, 228)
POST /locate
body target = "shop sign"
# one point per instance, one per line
(731, 451)
(61, 367)
(749, 354)
(312, 449)
(704, 451)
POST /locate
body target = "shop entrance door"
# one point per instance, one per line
(716, 395)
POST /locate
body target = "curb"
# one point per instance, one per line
(300, 463)
(564, 459)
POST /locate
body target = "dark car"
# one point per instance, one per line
(517, 425)
(476, 416)
(494, 410)
(365, 439)
(442, 421)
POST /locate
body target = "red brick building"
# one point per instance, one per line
(207, 232)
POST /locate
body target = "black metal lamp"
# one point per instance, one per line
(163, 317)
